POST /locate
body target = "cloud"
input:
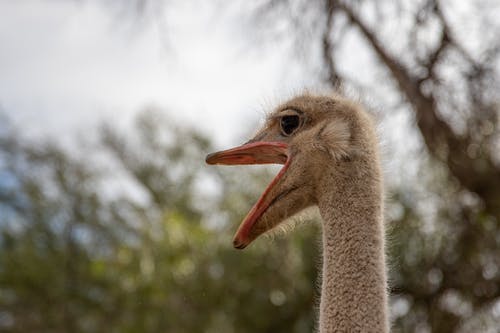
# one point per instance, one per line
(67, 65)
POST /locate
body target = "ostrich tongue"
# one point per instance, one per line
(254, 153)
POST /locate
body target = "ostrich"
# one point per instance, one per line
(328, 147)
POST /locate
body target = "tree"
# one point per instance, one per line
(77, 256)
(444, 69)
(75, 260)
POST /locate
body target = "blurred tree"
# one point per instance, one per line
(73, 259)
(441, 61)
(76, 258)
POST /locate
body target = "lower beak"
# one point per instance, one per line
(253, 153)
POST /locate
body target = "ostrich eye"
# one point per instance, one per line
(289, 124)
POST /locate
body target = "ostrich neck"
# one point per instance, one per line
(354, 297)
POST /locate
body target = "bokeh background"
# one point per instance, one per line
(111, 222)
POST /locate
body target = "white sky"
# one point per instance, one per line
(66, 65)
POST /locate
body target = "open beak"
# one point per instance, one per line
(260, 152)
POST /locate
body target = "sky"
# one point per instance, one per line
(69, 65)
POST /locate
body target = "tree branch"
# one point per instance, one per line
(438, 136)
(432, 60)
(333, 78)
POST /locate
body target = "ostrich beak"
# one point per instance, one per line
(254, 153)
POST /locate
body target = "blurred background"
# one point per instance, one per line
(110, 221)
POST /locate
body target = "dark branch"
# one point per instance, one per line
(333, 78)
(438, 136)
(430, 64)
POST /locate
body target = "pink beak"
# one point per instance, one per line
(260, 152)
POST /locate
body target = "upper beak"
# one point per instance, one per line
(260, 152)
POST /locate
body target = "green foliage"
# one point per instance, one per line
(76, 256)
(445, 266)
(74, 260)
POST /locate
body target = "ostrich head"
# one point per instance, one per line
(308, 135)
